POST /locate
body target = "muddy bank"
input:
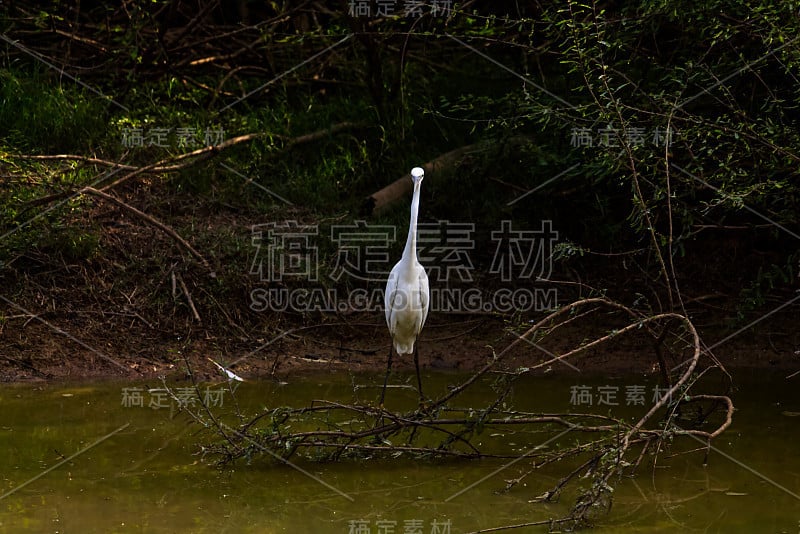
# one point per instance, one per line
(34, 351)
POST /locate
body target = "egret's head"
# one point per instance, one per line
(416, 176)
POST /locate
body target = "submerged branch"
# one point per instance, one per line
(330, 431)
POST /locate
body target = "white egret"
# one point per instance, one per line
(407, 294)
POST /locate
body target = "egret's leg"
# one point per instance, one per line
(386, 378)
(419, 378)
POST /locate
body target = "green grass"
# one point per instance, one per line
(41, 114)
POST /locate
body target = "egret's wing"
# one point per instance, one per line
(424, 297)
(388, 297)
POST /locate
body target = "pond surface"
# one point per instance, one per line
(87, 458)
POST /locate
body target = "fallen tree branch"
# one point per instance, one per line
(603, 447)
(189, 298)
(381, 200)
(78, 157)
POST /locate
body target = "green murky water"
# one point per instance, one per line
(147, 477)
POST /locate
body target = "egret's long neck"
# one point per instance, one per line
(410, 252)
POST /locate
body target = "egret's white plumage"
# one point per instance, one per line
(407, 294)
